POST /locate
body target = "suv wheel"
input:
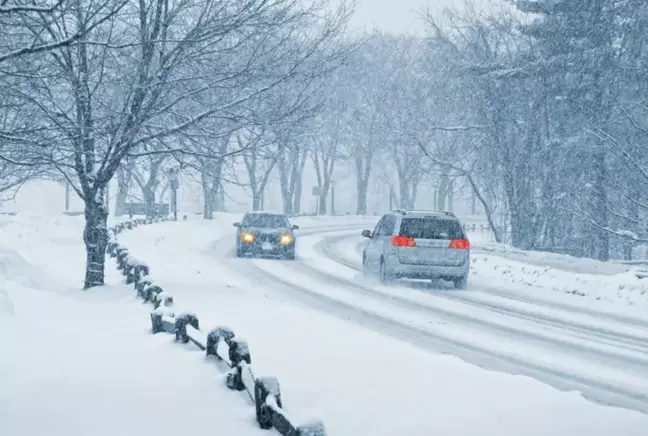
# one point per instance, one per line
(461, 282)
(365, 267)
(385, 278)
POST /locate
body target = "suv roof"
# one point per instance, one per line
(419, 213)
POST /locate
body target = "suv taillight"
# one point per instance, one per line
(403, 241)
(460, 244)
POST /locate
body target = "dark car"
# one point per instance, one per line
(265, 234)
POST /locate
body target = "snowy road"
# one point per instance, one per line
(602, 355)
(341, 342)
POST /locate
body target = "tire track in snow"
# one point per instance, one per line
(530, 300)
(629, 341)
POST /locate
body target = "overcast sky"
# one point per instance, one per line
(399, 15)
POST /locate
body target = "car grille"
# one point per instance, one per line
(268, 237)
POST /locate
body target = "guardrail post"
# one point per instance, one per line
(181, 326)
(214, 338)
(264, 387)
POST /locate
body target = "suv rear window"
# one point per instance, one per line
(431, 228)
(264, 220)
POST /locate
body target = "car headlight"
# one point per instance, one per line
(247, 237)
(286, 239)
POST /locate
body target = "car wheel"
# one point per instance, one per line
(290, 255)
(365, 267)
(461, 282)
(385, 278)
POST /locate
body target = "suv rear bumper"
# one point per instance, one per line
(424, 272)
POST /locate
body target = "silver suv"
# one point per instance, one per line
(415, 244)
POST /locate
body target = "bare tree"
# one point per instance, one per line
(260, 158)
(40, 17)
(290, 164)
(147, 172)
(138, 72)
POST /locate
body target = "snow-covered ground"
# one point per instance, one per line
(361, 357)
(382, 378)
(76, 363)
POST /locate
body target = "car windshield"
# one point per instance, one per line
(431, 228)
(265, 220)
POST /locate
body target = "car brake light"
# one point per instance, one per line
(403, 241)
(460, 244)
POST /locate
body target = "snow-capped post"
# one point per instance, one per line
(264, 387)
(151, 291)
(129, 270)
(122, 255)
(239, 351)
(239, 356)
(141, 287)
(163, 299)
(112, 248)
(163, 320)
(214, 338)
(156, 322)
(141, 272)
(181, 326)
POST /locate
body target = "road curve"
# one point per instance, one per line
(607, 364)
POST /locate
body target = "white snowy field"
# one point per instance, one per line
(76, 363)
(365, 359)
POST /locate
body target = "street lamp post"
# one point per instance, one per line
(172, 175)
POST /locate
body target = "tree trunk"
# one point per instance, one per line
(402, 193)
(296, 209)
(219, 197)
(149, 201)
(450, 195)
(361, 203)
(123, 187)
(256, 200)
(285, 183)
(473, 204)
(601, 206)
(208, 201)
(323, 199)
(442, 198)
(363, 170)
(95, 237)
(486, 206)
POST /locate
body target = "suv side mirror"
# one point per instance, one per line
(237, 224)
(295, 227)
(366, 233)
